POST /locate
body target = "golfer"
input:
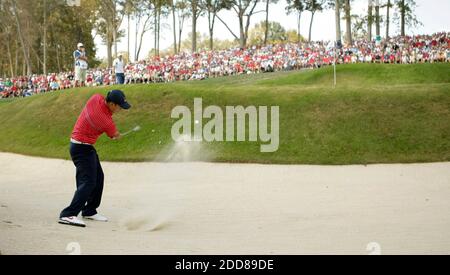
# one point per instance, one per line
(94, 120)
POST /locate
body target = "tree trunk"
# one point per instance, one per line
(128, 38)
(241, 31)
(211, 22)
(247, 25)
(348, 19)
(194, 26)
(337, 12)
(388, 18)
(299, 16)
(113, 23)
(174, 28)
(266, 31)
(377, 18)
(109, 45)
(115, 42)
(402, 15)
(136, 30)
(38, 69)
(44, 65)
(109, 52)
(22, 41)
(211, 35)
(180, 31)
(138, 51)
(16, 60)
(156, 33)
(57, 59)
(159, 28)
(8, 47)
(369, 21)
(310, 26)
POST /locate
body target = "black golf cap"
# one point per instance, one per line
(118, 97)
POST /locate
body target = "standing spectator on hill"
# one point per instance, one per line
(81, 65)
(118, 67)
(8, 83)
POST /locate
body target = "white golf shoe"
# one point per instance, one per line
(72, 221)
(96, 217)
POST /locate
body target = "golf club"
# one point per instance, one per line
(135, 129)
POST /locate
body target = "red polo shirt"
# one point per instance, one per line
(94, 120)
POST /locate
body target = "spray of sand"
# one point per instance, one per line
(154, 218)
(149, 222)
(185, 149)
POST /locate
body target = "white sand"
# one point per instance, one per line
(197, 208)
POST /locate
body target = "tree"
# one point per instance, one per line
(65, 30)
(336, 5)
(276, 33)
(348, 20)
(25, 47)
(388, 8)
(47, 28)
(293, 37)
(212, 7)
(370, 20)
(183, 13)
(297, 6)
(242, 8)
(195, 10)
(174, 27)
(377, 18)
(267, 19)
(6, 34)
(313, 6)
(143, 11)
(110, 19)
(203, 43)
(359, 23)
(129, 10)
(45, 37)
(161, 9)
(407, 16)
(337, 16)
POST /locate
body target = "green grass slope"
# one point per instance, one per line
(377, 114)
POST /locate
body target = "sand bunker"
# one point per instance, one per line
(205, 208)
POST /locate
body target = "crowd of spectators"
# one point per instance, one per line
(257, 59)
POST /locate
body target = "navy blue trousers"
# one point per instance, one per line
(120, 78)
(89, 176)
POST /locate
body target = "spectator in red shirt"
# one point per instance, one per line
(94, 120)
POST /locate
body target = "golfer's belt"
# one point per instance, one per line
(78, 142)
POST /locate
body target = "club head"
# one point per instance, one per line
(137, 128)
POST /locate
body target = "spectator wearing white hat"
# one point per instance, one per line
(81, 65)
